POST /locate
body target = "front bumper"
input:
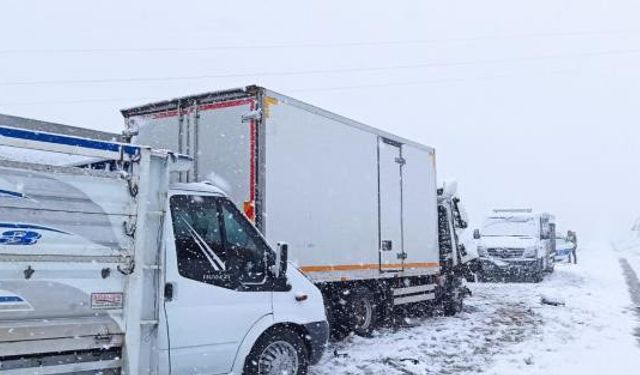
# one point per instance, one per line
(317, 337)
(510, 266)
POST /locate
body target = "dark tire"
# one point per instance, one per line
(362, 311)
(538, 277)
(538, 274)
(338, 324)
(453, 304)
(551, 265)
(278, 351)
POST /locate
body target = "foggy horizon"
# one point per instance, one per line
(527, 105)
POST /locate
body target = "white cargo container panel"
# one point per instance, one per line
(353, 202)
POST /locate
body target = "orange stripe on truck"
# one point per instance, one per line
(362, 267)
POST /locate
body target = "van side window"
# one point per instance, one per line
(215, 244)
(247, 251)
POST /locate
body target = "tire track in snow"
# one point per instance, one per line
(634, 289)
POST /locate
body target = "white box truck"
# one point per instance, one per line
(106, 267)
(517, 243)
(358, 205)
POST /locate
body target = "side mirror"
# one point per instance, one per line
(282, 259)
(476, 234)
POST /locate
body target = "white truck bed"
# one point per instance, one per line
(68, 298)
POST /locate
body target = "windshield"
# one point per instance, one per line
(516, 226)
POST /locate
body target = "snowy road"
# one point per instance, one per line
(505, 329)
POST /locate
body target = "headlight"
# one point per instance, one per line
(530, 252)
(482, 251)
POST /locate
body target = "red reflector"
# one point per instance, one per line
(249, 210)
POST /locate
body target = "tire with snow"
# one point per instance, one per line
(538, 273)
(453, 303)
(279, 351)
(363, 311)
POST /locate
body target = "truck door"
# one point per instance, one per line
(215, 283)
(390, 205)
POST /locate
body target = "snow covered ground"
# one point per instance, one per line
(505, 329)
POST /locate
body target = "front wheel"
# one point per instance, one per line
(538, 273)
(453, 303)
(278, 352)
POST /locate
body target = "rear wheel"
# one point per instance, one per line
(363, 311)
(277, 352)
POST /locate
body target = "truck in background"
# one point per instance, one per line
(517, 243)
(107, 267)
(358, 205)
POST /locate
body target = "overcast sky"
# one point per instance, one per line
(528, 103)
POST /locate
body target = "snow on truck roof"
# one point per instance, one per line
(45, 141)
(201, 187)
(52, 127)
(43, 147)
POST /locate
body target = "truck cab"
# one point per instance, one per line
(517, 243)
(455, 257)
(220, 267)
(107, 267)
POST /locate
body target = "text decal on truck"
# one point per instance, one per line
(106, 301)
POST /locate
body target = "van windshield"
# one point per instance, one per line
(516, 226)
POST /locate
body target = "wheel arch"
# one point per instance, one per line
(260, 329)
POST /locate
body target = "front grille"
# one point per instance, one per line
(505, 252)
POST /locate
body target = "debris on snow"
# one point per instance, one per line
(553, 301)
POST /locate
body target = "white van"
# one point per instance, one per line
(109, 268)
(518, 242)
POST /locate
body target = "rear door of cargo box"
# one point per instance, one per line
(214, 133)
(227, 150)
(419, 210)
(390, 163)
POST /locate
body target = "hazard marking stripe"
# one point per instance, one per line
(203, 107)
(371, 266)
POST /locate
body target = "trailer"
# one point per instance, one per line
(109, 267)
(358, 205)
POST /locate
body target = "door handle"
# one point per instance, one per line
(386, 245)
(168, 292)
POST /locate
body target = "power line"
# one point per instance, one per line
(310, 89)
(320, 71)
(309, 45)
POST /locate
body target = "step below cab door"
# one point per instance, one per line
(216, 283)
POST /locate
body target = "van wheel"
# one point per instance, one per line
(538, 274)
(278, 352)
(363, 311)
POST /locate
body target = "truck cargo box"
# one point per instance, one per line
(353, 202)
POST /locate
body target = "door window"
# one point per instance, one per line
(215, 244)
(247, 250)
